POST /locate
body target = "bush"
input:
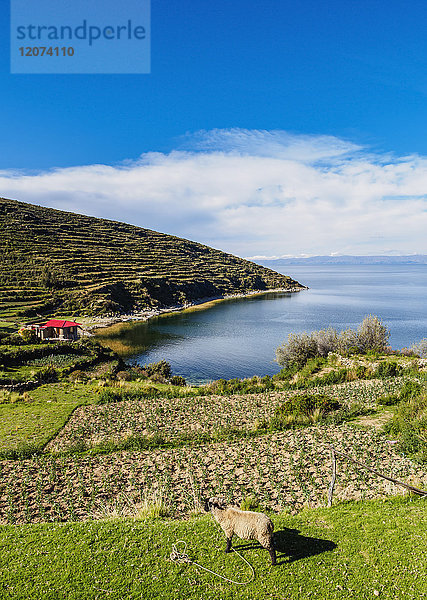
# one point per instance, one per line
(347, 342)
(313, 365)
(389, 400)
(409, 424)
(306, 404)
(326, 341)
(124, 375)
(28, 335)
(238, 386)
(267, 382)
(361, 372)
(370, 336)
(48, 373)
(178, 380)
(298, 350)
(250, 503)
(303, 409)
(78, 375)
(408, 352)
(161, 368)
(388, 369)
(338, 376)
(157, 378)
(410, 389)
(420, 348)
(109, 395)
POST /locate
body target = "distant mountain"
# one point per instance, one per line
(419, 259)
(55, 262)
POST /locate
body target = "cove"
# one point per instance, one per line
(238, 337)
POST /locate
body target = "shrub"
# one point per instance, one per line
(389, 400)
(305, 404)
(408, 352)
(7, 397)
(303, 409)
(335, 376)
(326, 340)
(28, 335)
(347, 342)
(78, 375)
(409, 424)
(372, 335)
(298, 350)
(313, 365)
(250, 503)
(177, 380)
(420, 348)
(410, 389)
(238, 386)
(124, 375)
(388, 369)
(47, 373)
(286, 373)
(267, 382)
(361, 372)
(109, 395)
(162, 368)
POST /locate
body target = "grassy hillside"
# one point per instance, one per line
(54, 261)
(357, 550)
(103, 470)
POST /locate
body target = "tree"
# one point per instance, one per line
(372, 335)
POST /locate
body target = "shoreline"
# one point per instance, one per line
(92, 324)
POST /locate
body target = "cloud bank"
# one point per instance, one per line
(252, 193)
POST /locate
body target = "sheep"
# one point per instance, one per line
(245, 524)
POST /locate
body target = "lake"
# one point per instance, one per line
(238, 338)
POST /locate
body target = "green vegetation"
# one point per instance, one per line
(354, 550)
(95, 465)
(303, 409)
(29, 421)
(48, 361)
(370, 336)
(54, 261)
(409, 424)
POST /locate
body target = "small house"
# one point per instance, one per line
(57, 330)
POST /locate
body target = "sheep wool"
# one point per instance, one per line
(247, 525)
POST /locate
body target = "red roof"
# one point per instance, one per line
(61, 324)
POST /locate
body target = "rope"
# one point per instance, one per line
(182, 557)
(411, 488)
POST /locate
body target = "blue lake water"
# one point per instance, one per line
(238, 338)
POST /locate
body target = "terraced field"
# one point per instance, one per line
(73, 479)
(53, 260)
(173, 418)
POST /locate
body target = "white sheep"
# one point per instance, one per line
(244, 523)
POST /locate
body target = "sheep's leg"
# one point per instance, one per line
(272, 555)
(228, 546)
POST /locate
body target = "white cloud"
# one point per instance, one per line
(252, 193)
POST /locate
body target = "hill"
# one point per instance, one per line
(54, 261)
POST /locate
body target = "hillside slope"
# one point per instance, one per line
(60, 261)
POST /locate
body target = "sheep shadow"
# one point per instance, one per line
(291, 544)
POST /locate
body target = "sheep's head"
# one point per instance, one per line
(214, 502)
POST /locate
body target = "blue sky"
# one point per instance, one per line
(262, 81)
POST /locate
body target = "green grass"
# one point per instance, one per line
(17, 374)
(354, 550)
(26, 427)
